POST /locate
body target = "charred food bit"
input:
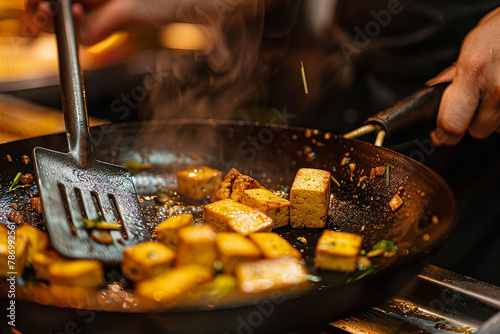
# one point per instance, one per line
(275, 207)
(395, 202)
(167, 231)
(235, 248)
(227, 215)
(338, 251)
(146, 260)
(272, 245)
(310, 198)
(270, 274)
(196, 246)
(199, 183)
(16, 216)
(36, 204)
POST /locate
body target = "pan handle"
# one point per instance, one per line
(411, 117)
(72, 91)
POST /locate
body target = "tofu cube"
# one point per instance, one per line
(270, 274)
(79, 273)
(233, 184)
(235, 248)
(196, 246)
(41, 262)
(275, 207)
(227, 215)
(146, 260)
(173, 283)
(272, 245)
(338, 251)
(13, 252)
(38, 240)
(167, 230)
(199, 183)
(310, 198)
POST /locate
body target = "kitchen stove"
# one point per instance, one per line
(436, 301)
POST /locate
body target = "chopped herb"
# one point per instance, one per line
(303, 74)
(302, 240)
(136, 167)
(15, 181)
(99, 223)
(368, 271)
(387, 176)
(335, 181)
(386, 245)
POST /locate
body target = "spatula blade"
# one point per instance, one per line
(70, 193)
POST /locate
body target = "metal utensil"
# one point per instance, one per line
(74, 186)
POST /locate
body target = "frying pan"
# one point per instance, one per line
(272, 154)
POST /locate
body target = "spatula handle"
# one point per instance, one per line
(72, 91)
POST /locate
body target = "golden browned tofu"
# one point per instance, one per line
(196, 246)
(13, 252)
(235, 248)
(275, 207)
(310, 198)
(167, 230)
(338, 250)
(234, 184)
(38, 240)
(272, 245)
(228, 215)
(173, 283)
(146, 260)
(199, 183)
(42, 260)
(80, 273)
(270, 274)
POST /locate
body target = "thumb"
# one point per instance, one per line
(456, 111)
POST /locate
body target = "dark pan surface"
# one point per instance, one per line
(272, 155)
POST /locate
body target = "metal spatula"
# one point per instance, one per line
(74, 186)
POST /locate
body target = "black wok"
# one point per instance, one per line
(272, 155)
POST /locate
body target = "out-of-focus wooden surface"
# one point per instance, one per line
(21, 119)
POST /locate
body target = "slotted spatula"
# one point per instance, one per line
(74, 186)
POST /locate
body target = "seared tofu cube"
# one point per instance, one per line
(338, 251)
(38, 240)
(275, 207)
(272, 245)
(199, 183)
(41, 262)
(310, 198)
(146, 260)
(233, 185)
(79, 273)
(235, 248)
(270, 274)
(13, 252)
(196, 246)
(227, 215)
(173, 283)
(167, 230)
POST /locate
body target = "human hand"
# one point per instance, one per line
(472, 100)
(97, 19)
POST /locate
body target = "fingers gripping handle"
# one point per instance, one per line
(412, 117)
(72, 91)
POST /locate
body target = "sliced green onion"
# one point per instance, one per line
(15, 181)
